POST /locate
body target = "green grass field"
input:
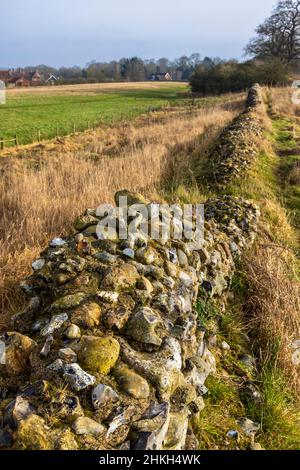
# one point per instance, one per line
(50, 111)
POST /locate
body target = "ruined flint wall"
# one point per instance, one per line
(237, 147)
(110, 352)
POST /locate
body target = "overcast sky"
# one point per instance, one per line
(69, 32)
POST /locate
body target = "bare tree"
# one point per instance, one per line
(279, 36)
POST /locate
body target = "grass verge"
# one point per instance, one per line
(263, 317)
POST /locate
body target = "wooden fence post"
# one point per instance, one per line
(39, 135)
(16, 140)
(2, 143)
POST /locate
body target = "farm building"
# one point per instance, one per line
(21, 81)
(18, 80)
(161, 77)
(51, 80)
(21, 78)
(5, 75)
(35, 78)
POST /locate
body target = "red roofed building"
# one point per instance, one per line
(5, 75)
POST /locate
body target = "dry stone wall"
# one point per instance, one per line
(110, 353)
(237, 146)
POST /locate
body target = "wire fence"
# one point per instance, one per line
(62, 130)
(4, 141)
(59, 130)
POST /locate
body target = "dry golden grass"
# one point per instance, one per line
(294, 175)
(272, 301)
(282, 103)
(274, 304)
(95, 88)
(43, 188)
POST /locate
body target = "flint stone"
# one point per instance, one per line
(72, 332)
(68, 301)
(115, 318)
(56, 366)
(17, 352)
(38, 264)
(39, 325)
(132, 383)
(186, 279)
(85, 221)
(45, 351)
(87, 315)
(108, 296)
(56, 242)
(129, 253)
(67, 355)
(17, 411)
(84, 426)
(55, 323)
(120, 277)
(77, 378)
(225, 346)
(2, 353)
(146, 255)
(121, 418)
(170, 269)
(145, 285)
(249, 428)
(142, 325)
(103, 395)
(176, 434)
(182, 258)
(162, 368)
(132, 198)
(153, 427)
(106, 257)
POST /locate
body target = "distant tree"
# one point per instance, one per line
(195, 59)
(70, 73)
(279, 36)
(163, 65)
(44, 70)
(150, 67)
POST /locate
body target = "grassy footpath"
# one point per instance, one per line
(262, 316)
(28, 112)
(266, 291)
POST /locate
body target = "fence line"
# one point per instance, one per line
(3, 141)
(91, 125)
(56, 134)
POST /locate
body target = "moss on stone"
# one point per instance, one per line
(68, 301)
(98, 354)
(33, 435)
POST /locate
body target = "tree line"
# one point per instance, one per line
(125, 69)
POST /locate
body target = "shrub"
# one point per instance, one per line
(231, 76)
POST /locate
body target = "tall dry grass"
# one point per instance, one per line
(282, 102)
(294, 175)
(274, 305)
(43, 188)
